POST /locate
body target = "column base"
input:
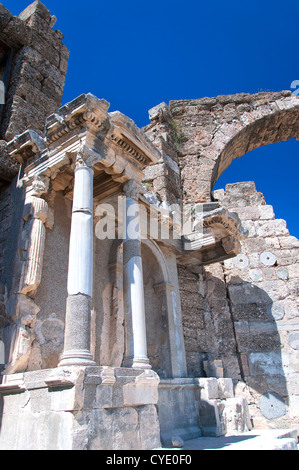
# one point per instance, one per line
(137, 362)
(76, 358)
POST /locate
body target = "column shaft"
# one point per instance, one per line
(80, 270)
(135, 329)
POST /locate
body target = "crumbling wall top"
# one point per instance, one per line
(34, 74)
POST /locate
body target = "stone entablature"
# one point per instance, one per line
(109, 139)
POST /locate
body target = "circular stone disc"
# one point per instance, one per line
(272, 405)
(241, 261)
(293, 339)
(276, 311)
(255, 275)
(268, 258)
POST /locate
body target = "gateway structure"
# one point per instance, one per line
(137, 304)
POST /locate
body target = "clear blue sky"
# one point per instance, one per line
(137, 53)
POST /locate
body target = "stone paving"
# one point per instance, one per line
(253, 440)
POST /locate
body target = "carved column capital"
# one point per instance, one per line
(37, 186)
(85, 158)
(80, 160)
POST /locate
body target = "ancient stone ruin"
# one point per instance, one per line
(137, 305)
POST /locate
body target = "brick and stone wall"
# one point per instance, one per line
(241, 316)
(36, 75)
(208, 331)
(262, 284)
(37, 72)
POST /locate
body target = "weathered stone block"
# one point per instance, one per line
(225, 388)
(33, 10)
(271, 228)
(266, 212)
(149, 427)
(178, 409)
(209, 411)
(258, 342)
(209, 388)
(293, 339)
(293, 270)
(289, 242)
(5, 17)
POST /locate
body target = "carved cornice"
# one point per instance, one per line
(131, 149)
(210, 215)
(112, 129)
(216, 236)
(110, 139)
(227, 219)
(131, 139)
(26, 145)
(61, 128)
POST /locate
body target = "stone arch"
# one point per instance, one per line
(270, 123)
(211, 132)
(266, 123)
(157, 252)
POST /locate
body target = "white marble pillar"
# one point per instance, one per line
(135, 329)
(80, 270)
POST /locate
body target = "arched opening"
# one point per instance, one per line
(156, 311)
(108, 325)
(224, 130)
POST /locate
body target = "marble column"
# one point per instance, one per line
(135, 329)
(80, 270)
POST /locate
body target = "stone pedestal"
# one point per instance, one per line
(178, 407)
(83, 408)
